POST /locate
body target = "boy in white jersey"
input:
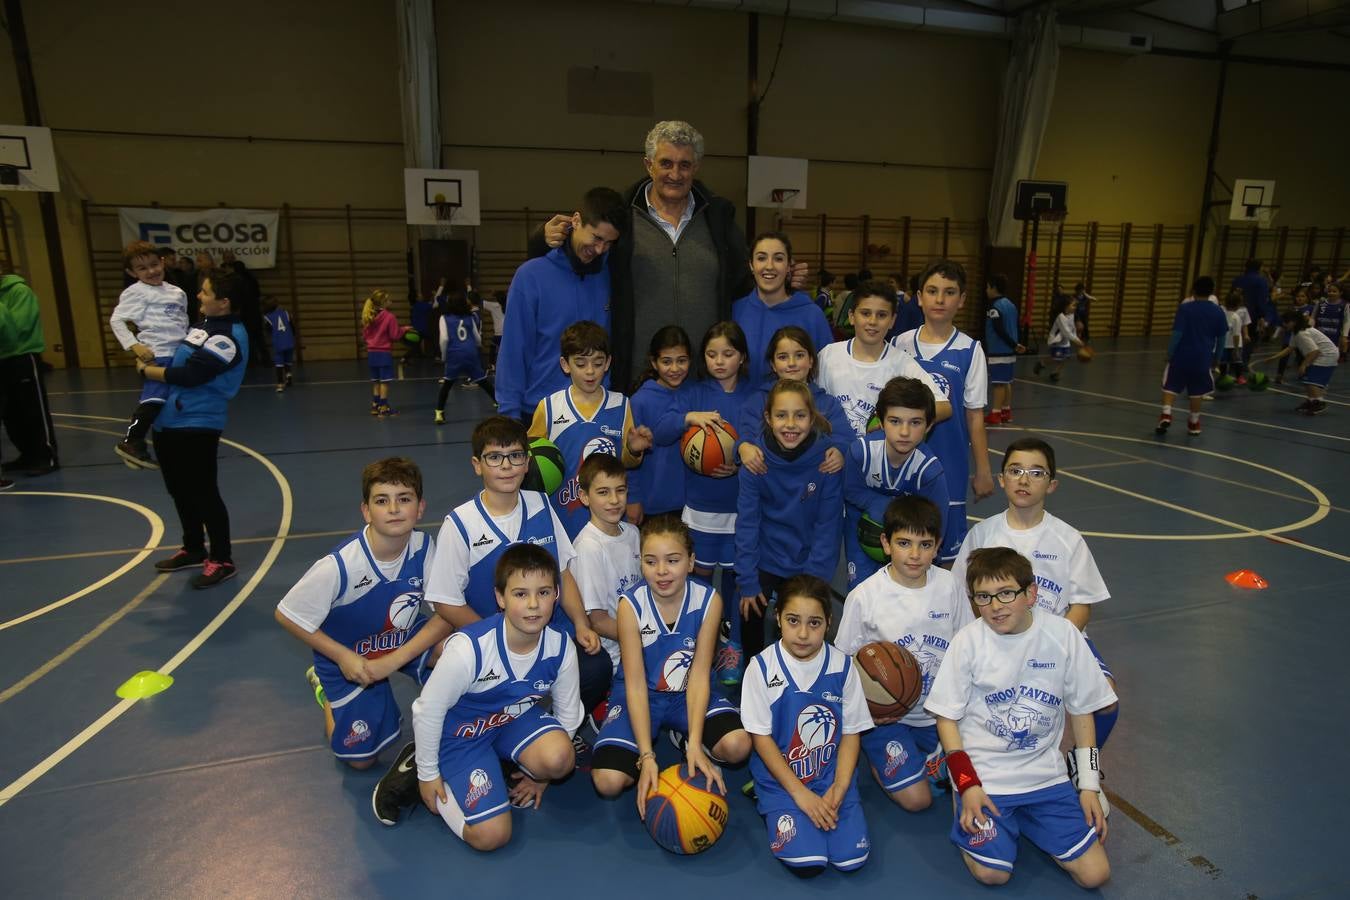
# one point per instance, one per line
(157, 311)
(359, 609)
(920, 607)
(1067, 579)
(1000, 699)
(481, 707)
(855, 370)
(608, 560)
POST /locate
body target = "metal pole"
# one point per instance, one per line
(1211, 157)
(752, 120)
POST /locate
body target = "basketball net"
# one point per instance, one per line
(445, 217)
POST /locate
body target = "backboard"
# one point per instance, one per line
(776, 182)
(1035, 198)
(27, 161)
(424, 188)
(1253, 201)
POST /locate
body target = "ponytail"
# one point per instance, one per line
(371, 308)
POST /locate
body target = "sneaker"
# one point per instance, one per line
(1242, 379)
(680, 740)
(596, 717)
(281, 386)
(374, 408)
(319, 696)
(397, 790)
(728, 664)
(213, 573)
(936, 767)
(387, 410)
(1073, 778)
(183, 559)
(1316, 408)
(1164, 423)
(135, 454)
(1006, 416)
(288, 379)
(582, 751)
(5, 484)
(1193, 428)
(993, 418)
(1303, 407)
(440, 417)
(748, 791)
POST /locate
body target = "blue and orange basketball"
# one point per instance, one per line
(685, 815)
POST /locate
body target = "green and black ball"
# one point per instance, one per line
(545, 472)
(869, 538)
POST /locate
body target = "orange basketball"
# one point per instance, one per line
(891, 679)
(706, 448)
(1085, 353)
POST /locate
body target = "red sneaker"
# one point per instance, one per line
(993, 418)
(1006, 416)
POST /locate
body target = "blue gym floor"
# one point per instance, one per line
(1224, 770)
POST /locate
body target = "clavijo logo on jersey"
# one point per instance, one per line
(398, 625)
(484, 724)
(813, 744)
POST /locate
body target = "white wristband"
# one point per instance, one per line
(1089, 772)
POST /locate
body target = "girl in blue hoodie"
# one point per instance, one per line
(657, 486)
(769, 307)
(789, 521)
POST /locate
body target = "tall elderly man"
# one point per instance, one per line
(683, 261)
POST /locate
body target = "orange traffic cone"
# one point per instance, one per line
(1246, 578)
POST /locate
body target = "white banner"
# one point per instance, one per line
(250, 233)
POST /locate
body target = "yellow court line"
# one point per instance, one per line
(156, 532)
(1158, 405)
(14, 788)
(1240, 530)
(88, 638)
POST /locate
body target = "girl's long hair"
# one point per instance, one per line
(371, 308)
(801, 389)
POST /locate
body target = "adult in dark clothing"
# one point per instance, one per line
(248, 307)
(23, 394)
(682, 260)
(1256, 291)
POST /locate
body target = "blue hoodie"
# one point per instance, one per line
(205, 374)
(751, 423)
(703, 492)
(658, 484)
(759, 321)
(545, 297)
(790, 520)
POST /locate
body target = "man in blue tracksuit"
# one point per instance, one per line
(567, 285)
(203, 377)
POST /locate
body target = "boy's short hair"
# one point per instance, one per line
(524, 559)
(137, 249)
(499, 431)
(583, 339)
(1203, 286)
(998, 283)
(1031, 445)
(908, 393)
(947, 268)
(602, 204)
(226, 285)
(600, 464)
(915, 514)
(874, 289)
(391, 470)
(989, 563)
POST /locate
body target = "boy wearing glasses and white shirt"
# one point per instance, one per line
(1068, 582)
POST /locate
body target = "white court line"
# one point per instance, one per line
(1326, 397)
(270, 385)
(156, 532)
(1158, 405)
(17, 786)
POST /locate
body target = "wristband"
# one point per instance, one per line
(962, 771)
(1087, 773)
(643, 757)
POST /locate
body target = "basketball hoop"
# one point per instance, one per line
(1052, 219)
(445, 216)
(782, 195)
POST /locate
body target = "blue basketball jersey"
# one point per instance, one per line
(1329, 318)
(462, 338)
(486, 543)
(577, 437)
(808, 724)
(667, 653)
(499, 694)
(279, 323)
(371, 614)
(871, 483)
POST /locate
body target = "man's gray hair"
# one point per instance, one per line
(681, 134)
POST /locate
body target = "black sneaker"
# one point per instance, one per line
(680, 740)
(582, 751)
(1316, 408)
(183, 559)
(135, 454)
(397, 790)
(5, 484)
(212, 574)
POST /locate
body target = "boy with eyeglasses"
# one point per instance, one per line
(1068, 582)
(1001, 697)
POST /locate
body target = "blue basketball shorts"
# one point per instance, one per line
(1193, 380)
(795, 840)
(1101, 663)
(472, 771)
(897, 753)
(1051, 818)
(470, 367)
(156, 391)
(1060, 352)
(283, 357)
(1001, 373)
(666, 709)
(713, 550)
(381, 364)
(1318, 376)
(365, 719)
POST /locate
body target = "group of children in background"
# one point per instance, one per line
(550, 609)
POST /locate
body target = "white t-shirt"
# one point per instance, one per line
(855, 384)
(1009, 694)
(921, 620)
(449, 573)
(1062, 331)
(1234, 339)
(1060, 559)
(314, 596)
(605, 566)
(1310, 341)
(159, 312)
(757, 697)
(494, 310)
(454, 676)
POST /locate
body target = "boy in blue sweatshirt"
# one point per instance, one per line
(1198, 328)
(771, 305)
(893, 462)
(569, 284)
